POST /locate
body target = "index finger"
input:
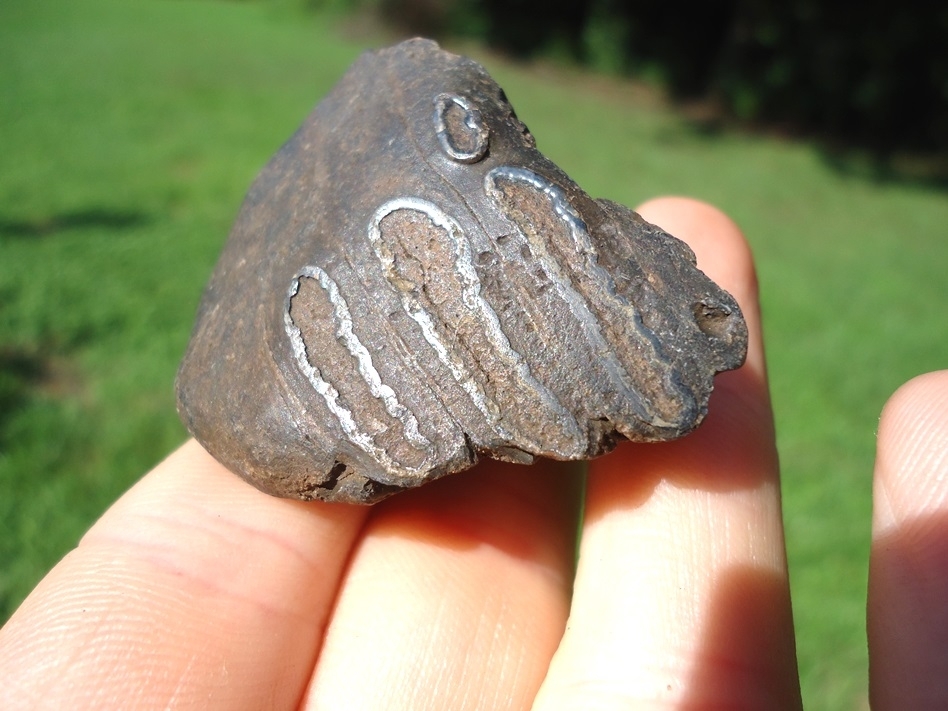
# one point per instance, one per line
(193, 590)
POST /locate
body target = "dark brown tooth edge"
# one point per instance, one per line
(410, 285)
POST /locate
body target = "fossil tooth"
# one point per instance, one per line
(410, 285)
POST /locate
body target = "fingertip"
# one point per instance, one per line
(912, 452)
(700, 219)
(722, 250)
(916, 408)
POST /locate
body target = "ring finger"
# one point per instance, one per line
(681, 597)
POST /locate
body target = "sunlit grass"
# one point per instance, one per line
(130, 131)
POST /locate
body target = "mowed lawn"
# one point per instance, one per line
(129, 133)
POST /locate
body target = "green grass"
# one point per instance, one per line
(129, 133)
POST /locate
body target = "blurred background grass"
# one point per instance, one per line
(129, 133)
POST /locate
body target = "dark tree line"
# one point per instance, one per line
(874, 75)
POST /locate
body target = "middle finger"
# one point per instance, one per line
(457, 595)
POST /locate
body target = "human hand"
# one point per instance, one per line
(196, 590)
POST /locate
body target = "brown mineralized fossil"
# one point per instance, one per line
(410, 285)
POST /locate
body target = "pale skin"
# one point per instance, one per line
(197, 591)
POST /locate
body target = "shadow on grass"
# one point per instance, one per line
(923, 169)
(20, 371)
(103, 218)
(916, 169)
(26, 372)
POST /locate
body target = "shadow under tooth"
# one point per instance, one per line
(560, 242)
(318, 320)
(428, 260)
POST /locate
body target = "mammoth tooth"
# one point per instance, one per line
(410, 285)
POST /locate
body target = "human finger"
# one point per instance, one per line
(194, 590)
(457, 594)
(681, 596)
(908, 570)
